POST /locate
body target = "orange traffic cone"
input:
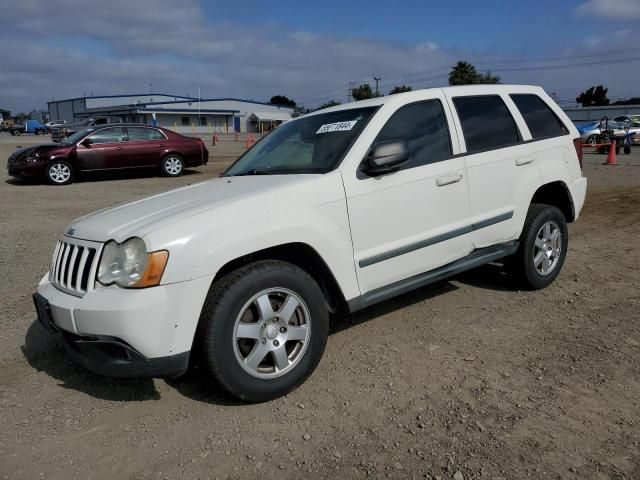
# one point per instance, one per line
(611, 157)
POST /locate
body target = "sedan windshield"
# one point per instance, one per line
(71, 139)
(313, 144)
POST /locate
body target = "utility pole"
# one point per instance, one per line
(350, 92)
(377, 79)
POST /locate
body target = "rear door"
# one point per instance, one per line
(500, 161)
(144, 146)
(106, 150)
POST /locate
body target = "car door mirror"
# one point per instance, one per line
(385, 157)
(86, 142)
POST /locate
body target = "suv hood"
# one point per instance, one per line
(141, 217)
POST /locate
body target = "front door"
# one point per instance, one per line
(412, 220)
(106, 150)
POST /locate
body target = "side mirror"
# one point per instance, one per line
(86, 142)
(386, 156)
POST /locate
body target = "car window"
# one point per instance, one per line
(424, 127)
(141, 133)
(486, 123)
(310, 144)
(540, 119)
(101, 121)
(108, 135)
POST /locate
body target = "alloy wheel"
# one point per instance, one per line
(173, 165)
(271, 333)
(59, 173)
(547, 248)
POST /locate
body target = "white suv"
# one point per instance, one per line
(334, 211)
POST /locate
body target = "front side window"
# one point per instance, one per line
(424, 127)
(108, 135)
(486, 122)
(312, 144)
(141, 134)
(540, 119)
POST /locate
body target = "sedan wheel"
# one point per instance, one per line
(59, 173)
(172, 165)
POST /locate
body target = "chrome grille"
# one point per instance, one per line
(74, 265)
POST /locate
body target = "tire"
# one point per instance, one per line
(172, 165)
(59, 172)
(627, 149)
(250, 299)
(526, 264)
(592, 139)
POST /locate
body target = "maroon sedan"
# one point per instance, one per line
(109, 147)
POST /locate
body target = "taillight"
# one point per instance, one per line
(577, 142)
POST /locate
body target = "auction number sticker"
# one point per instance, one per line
(337, 127)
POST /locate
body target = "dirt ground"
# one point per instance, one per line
(466, 379)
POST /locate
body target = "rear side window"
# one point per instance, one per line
(486, 122)
(140, 133)
(424, 127)
(540, 119)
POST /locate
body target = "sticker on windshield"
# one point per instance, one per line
(337, 127)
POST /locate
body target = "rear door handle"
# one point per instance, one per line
(118, 148)
(524, 161)
(448, 179)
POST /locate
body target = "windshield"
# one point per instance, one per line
(71, 139)
(313, 144)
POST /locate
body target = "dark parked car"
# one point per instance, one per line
(109, 147)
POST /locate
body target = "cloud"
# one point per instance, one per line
(55, 49)
(610, 9)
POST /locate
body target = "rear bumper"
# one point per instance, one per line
(578, 190)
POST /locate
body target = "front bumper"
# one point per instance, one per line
(125, 332)
(22, 168)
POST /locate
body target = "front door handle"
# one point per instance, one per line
(524, 161)
(118, 148)
(448, 179)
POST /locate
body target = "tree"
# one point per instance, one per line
(487, 77)
(594, 97)
(363, 92)
(330, 103)
(400, 89)
(283, 101)
(464, 73)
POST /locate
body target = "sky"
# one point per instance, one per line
(308, 51)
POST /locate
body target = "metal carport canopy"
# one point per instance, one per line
(271, 116)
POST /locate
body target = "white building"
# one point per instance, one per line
(181, 114)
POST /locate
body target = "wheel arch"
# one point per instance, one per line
(303, 256)
(556, 193)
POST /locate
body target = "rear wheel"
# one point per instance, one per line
(263, 330)
(172, 165)
(542, 248)
(60, 173)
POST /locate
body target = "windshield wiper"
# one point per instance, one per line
(254, 171)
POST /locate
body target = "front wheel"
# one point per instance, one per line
(542, 248)
(172, 165)
(263, 330)
(59, 173)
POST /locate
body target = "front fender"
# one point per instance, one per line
(202, 244)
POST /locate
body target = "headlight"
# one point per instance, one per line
(129, 264)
